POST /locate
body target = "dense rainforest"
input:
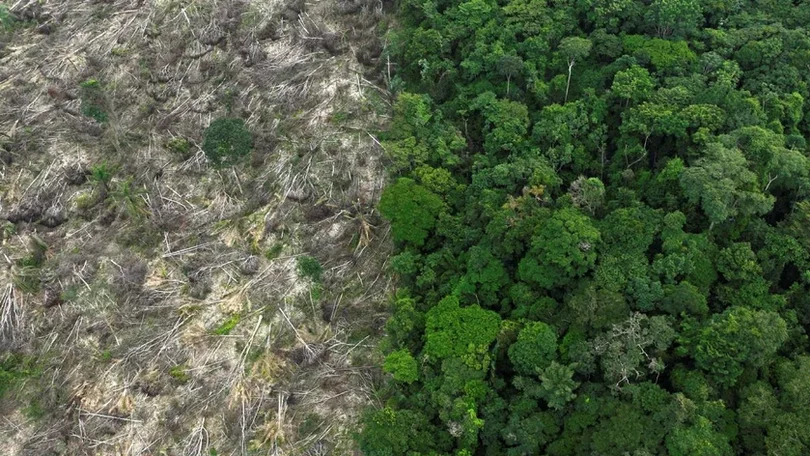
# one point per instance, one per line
(603, 227)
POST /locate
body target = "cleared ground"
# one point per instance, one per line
(161, 303)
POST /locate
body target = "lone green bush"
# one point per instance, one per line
(14, 369)
(92, 96)
(309, 267)
(226, 141)
(6, 21)
(179, 146)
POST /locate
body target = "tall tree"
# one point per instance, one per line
(573, 49)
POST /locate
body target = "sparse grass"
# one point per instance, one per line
(179, 146)
(375, 103)
(228, 325)
(86, 201)
(267, 366)
(359, 334)
(188, 310)
(312, 424)
(141, 236)
(180, 374)
(274, 251)
(228, 98)
(339, 117)
(316, 292)
(13, 370)
(127, 198)
(101, 13)
(70, 294)
(251, 18)
(28, 268)
(9, 230)
(35, 411)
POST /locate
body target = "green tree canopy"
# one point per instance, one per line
(724, 186)
(735, 339)
(535, 348)
(412, 210)
(451, 330)
(563, 248)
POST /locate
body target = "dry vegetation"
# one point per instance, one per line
(159, 299)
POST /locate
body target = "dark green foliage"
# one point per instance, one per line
(699, 439)
(684, 298)
(563, 248)
(737, 338)
(6, 21)
(723, 185)
(534, 349)
(603, 221)
(390, 432)
(310, 268)
(93, 100)
(101, 174)
(226, 141)
(633, 84)
(557, 386)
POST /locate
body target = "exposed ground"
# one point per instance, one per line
(158, 301)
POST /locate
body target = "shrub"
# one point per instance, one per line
(14, 369)
(34, 411)
(311, 425)
(127, 199)
(310, 267)
(179, 146)
(92, 96)
(101, 174)
(227, 140)
(6, 21)
(27, 279)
